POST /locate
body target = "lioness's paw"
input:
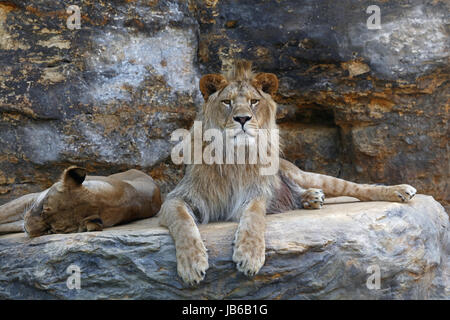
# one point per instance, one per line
(249, 254)
(313, 199)
(402, 193)
(192, 262)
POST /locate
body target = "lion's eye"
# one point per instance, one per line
(226, 102)
(254, 102)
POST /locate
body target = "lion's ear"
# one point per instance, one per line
(73, 176)
(267, 82)
(211, 83)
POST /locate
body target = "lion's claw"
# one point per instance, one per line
(192, 264)
(249, 258)
(402, 192)
(313, 199)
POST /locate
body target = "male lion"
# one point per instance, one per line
(242, 101)
(80, 203)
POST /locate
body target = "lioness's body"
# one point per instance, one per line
(241, 101)
(78, 203)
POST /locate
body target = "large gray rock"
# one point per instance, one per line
(363, 105)
(323, 254)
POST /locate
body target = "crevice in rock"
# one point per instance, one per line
(58, 63)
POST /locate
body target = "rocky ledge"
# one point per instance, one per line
(334, 253)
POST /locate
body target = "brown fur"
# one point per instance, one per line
(210, 84)
(238, 192)
(80, 203)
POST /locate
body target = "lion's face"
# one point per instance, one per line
(240, 103)
(62, 208)
(240, 108)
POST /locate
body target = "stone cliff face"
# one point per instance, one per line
(364, 105)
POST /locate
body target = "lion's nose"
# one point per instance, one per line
(242, 120)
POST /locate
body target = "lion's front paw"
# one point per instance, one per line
(401, 193)
(313, 199)
(192, 262)
(249, 254)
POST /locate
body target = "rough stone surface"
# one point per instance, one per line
(106, 96)
(321, 254)
(364, 105)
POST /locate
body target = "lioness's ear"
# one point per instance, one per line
(267, 82)
(211, 83)
(73, 176)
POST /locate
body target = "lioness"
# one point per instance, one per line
(242, 101)
(80, 203)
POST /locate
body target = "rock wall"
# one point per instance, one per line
(364, 105)
(334, 253)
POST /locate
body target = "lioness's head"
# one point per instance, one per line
(239, 101)
(63, 208)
